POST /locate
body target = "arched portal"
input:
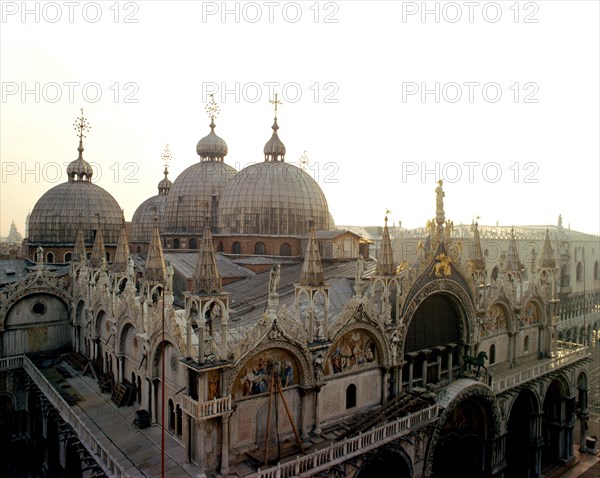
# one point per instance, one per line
(557, 425)
(461, 446)
(433, 341)
(521, 458)
(386, 459)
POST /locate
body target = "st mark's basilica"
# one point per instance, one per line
(266, 341)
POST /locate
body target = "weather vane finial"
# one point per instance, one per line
(275, 102)
(82, 126)
(212, 108)
(166, 155)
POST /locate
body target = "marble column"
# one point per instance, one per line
(225, 444)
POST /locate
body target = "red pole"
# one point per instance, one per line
(162, 444)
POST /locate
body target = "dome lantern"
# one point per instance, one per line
(164, 185)
(212, 147)
(80, 169)
(274, 149)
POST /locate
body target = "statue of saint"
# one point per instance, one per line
(439, 198)
(274, 279)
(170, 273)
(39, 255)
(360, 269)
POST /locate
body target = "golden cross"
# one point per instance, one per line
(82, 125)
(276, 102)
(166, 155)
(212, 108)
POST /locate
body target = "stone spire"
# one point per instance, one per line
(98, 250)
(274, 148)
(548, 260)
(385, 255)
(206, 277)
(155, 270)
(476, 256)
(122, 255)
(312, 270)
(79, 253)
(513, 262)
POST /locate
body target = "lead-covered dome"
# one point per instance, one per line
(142, 222)
(77, 203)
(273, 198)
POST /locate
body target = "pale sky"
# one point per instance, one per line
(512, 126)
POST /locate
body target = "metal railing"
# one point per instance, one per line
(339, 452)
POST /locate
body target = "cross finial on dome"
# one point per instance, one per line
(213, 110)
(303, 161)
(166, 155)
(275, 102)
(82, 125)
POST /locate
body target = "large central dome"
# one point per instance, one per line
(273, 198)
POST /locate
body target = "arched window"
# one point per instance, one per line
(68, 257)
(236, 248)
(179, 422)
(579, 271)
(492, 358)
(495, 273)
(285, 249)
(50, 257)
(565, 279)
(193, 244)
(526, 344)
(176, 244)
(260, 248)
(351, 396)
(107, 256)
(220, 246)
(139, 390)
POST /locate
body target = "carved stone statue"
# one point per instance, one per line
(130, 269)
(274, 276)
(439, 198)
(319, 373)
(170, 273)
(360, 269)
(39, 255)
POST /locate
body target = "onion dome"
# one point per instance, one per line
(212, 147)
(273, 198)
(165, 184)
(56, 216)
(274, 148)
